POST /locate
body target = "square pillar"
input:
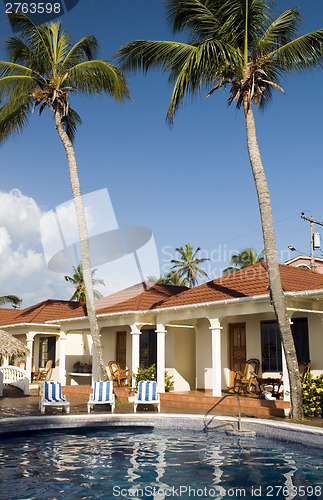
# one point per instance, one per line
(62, 358)
(29, 356)
(161, 333)
(135, 356)
(216, 357)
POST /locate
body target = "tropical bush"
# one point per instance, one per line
(151, 374)
(312, 389)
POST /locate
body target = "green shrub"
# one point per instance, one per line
(151, 374)
(312, 390)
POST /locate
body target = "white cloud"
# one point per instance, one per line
(20, 215)
(23, 268)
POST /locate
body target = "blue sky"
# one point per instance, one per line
(191, 183)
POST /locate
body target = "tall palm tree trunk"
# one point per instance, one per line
(277, 293)
(85, 247)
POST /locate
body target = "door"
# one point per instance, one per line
(237, 332)
(122, 349)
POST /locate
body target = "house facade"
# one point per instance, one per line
(201, 336)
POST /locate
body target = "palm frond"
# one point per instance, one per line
(70, 122)
(281, 31)
(84, 50)
(14, 116)
(205, 65)
(19, 84)
(12, 299)
(147, 54)
(196, 16)
(95, 77)
(303, 53)
(9, 68)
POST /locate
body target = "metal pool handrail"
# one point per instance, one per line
(216, 404)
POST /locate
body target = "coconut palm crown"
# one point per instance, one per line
(247, 257)
(243, 45)
(238, 43)
(186, 267)
(78, 281)
(45, 68)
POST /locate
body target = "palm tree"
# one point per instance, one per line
(11, 299)
(45, 69)
(170, 278)
(78, 280)
(187, 267)
(238, 43)
(247, 257)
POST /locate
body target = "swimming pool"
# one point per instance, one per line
(155, 463)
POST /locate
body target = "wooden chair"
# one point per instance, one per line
(304, 369)
(122, 377)
(22, 364)
(243, 382)
(44, 373)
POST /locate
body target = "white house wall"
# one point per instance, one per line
(184, 359)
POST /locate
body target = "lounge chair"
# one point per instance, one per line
(52, 396)
(115, 373)
(147, 394)
(102, 394)
(304, 369)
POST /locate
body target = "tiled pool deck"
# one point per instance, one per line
(16, 409)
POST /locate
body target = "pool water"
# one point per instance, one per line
(155, 463)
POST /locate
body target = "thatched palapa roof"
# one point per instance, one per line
(10, 346)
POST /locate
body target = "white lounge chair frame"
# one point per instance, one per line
(102, 394)
(147, 394)
(52, 396)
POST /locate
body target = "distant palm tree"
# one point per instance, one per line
(171, 278)
(247, 257)
(45, 69)
(10, 299)
(78, 280)
(243, 45)
(187, 266)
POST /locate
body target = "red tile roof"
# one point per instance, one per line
(42, 312)
(248, 282)
(140, 297)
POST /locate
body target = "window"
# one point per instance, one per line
(47, 350)
(148, 348)
(271, 344)
(271, 347)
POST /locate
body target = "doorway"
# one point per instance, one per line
(237, 342)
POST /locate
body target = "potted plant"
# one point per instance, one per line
(76, 367)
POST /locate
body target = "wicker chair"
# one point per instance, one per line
(122, 377)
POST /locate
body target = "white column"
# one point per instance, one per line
(135, 356)
(286, 386)
(216, 357)
(29, 356)
(161, 333)
(62, 358)
(94, 366)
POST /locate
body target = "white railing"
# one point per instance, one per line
(13, 375)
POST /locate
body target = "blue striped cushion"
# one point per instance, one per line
(147, 390)
(102, 391)
(52, 392)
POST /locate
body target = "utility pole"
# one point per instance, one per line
(312, 222)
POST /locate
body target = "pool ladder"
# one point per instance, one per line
(206, 425)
